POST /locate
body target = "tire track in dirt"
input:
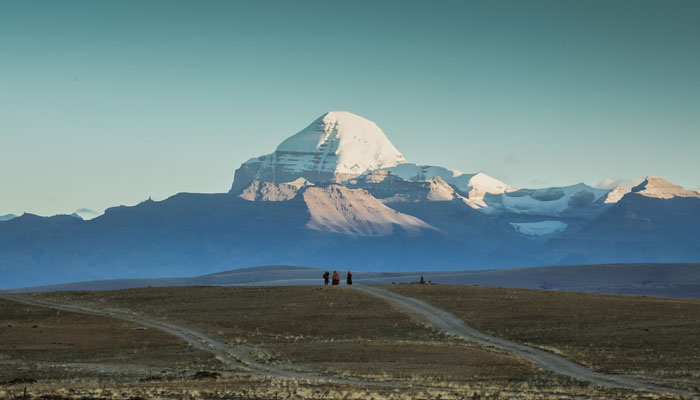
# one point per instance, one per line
(199, 340)
(238, 358)
(453, 325)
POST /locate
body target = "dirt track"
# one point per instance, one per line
(239, 358)
(549, 361)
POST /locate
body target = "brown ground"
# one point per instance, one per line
(338, 330)
(38, 343)
(633, 335)
(273, 389)
(335, 330)
(259, 314)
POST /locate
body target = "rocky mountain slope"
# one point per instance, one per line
(338, 193)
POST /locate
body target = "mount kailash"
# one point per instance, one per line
(339, 194)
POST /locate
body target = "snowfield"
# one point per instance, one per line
(460, 180)
(346, 144)
(539, 228)
(551, 201)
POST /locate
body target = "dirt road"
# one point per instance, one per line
(239, 358)
(453, 325)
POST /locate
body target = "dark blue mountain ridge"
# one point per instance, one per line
(339, 195)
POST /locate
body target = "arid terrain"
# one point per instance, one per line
(340, 342)
(654, 338)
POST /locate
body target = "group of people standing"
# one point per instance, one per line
(336, 278)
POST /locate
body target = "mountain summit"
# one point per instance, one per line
(662, 189)
(339, 193)
(337, 146)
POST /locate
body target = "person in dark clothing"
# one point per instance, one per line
(349, 280)
(422, 281)
(336, 278)
(326, 276)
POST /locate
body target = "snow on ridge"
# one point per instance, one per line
(345, 142)
(624, 184)
(462, 181)
(551, 201)
(540, 228)
(335, 147)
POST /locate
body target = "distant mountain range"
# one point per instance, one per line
(339, 194)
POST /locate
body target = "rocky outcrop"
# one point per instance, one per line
(662, 189)
(355, 212)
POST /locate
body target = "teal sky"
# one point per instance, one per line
(106, 103)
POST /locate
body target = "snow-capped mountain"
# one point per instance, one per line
(473, 186)
(337, 146)
(339, 193)
(346, 149)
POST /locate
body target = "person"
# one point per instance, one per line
(349, 280)
(326, 275)
(336, 278)
(422, 281)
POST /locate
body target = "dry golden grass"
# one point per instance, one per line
(634, 335)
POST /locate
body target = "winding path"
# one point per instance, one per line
(453, 325)
(239, 358)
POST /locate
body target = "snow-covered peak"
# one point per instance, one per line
(337, 146)
(662, 189)
(460, 180)
(489, 184)
(473, 186)
(353, 144)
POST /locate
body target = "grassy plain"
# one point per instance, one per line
(648, 337)
(38, 343)
(336, 331)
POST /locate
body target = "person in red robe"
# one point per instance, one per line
(336, 278)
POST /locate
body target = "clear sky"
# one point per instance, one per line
(109, 102)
